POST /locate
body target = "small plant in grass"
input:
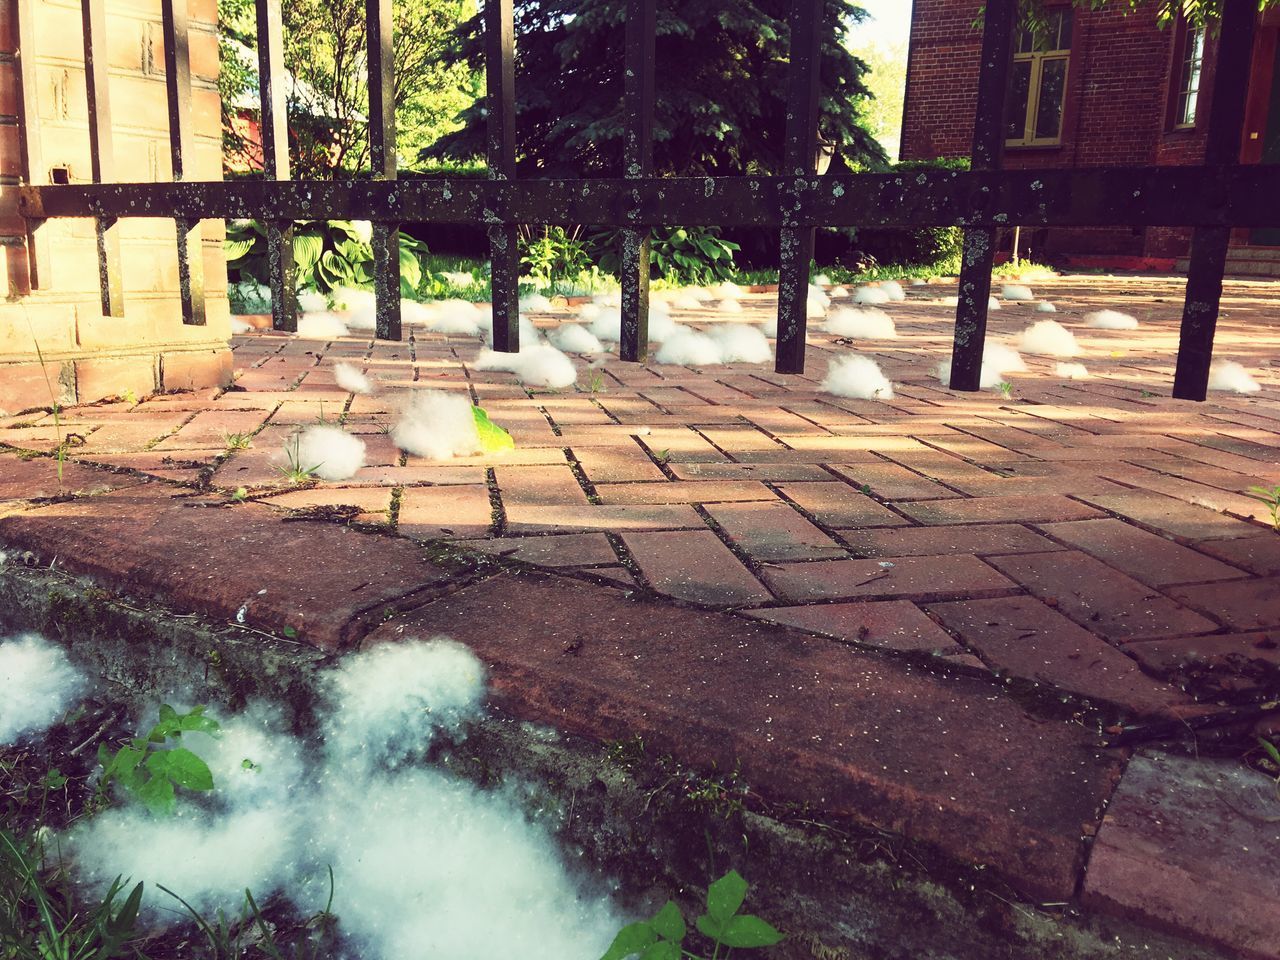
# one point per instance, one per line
(726, 928)
(150, 769)
(237, 441)
(295, 469)
(1271, 497)
(596, 383)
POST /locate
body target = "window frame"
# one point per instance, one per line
(1189, 35)
(1037, 60)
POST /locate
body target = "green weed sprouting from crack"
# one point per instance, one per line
(149, 771)
(294, 469)
(1270, 496)
(237, 441)
(1006, 389)
(53, 400)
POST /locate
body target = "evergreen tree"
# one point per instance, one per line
(720, 104)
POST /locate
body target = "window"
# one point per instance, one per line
(1191, 61)
(1038, 82)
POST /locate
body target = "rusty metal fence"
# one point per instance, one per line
(1212, 198)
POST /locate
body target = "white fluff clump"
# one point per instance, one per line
(1110, 320)
(661, 326)
(858, 377)
(1229, 375)
(817, 293)
(770, 326)
(350, 379)
(312, 301)
(575, 338)
(814, 308)
(728, 291)
(686, 300)
(536, 365)
(993, 303)
(1073, 371)
(701, 294)
(391, 701)
(239, 326)
(1017, 291)
(1044, 306)
(997, 360)
(437, 425)
(917, 282)
(866, 323)
(894, 290)
(529, 335)
(730, 305)
(458, 317)
(1049, 338)
(611, 299)
(321, 326)
(362, 318)
(415, 313)
(349, 298)
(38, 685)
(689, 348)
(589, 310)
(534, 303)
(607, 325)
(838, 292)
(821, 280)
(871, 295)
(741, 343)
(329, 452)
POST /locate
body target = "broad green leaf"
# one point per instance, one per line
(307, 249)
(669, 923)
(709, 927)
(182, 767)
(725, 896)
(749, 930)
(630, 940)
(1270, 749)
(235, 249)
(492, 437)
(157, 794)
(662, 950)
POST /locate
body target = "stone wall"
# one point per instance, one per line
(89, 356)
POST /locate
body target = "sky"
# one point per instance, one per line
(888, 23)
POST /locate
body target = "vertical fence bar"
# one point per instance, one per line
(382, 158)
(978, 252)
(101, 152)
(637, 158)
(177, 82)
(275, 162)
(39, 270)
(500, 71)
(800, 159)
(1209, 244)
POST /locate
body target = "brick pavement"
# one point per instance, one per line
(1088, 536)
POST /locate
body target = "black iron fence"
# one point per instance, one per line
(1212, 198)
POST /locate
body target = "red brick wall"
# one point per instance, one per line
(1117, 109)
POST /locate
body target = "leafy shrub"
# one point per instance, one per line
(149, 771)
(691, 255)
(555, 254)
(326, 254)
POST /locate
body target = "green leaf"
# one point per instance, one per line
(492, 437)
(307, 250)
(749, 930)
(236, 249)
(725, 896)
(669, 923)
(631, 939)
(1270, 749)
(182, 767)
(662, 950)
(157, 794)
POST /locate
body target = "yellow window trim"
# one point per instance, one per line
(1037, 60)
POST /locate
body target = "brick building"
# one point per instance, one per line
(1099, 89)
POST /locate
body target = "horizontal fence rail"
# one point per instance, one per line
(1212, 198)
(1239, 196)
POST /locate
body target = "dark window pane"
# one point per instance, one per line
(1016, 112)
(1064, 30)
(1026, 40)
(1053, 85)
